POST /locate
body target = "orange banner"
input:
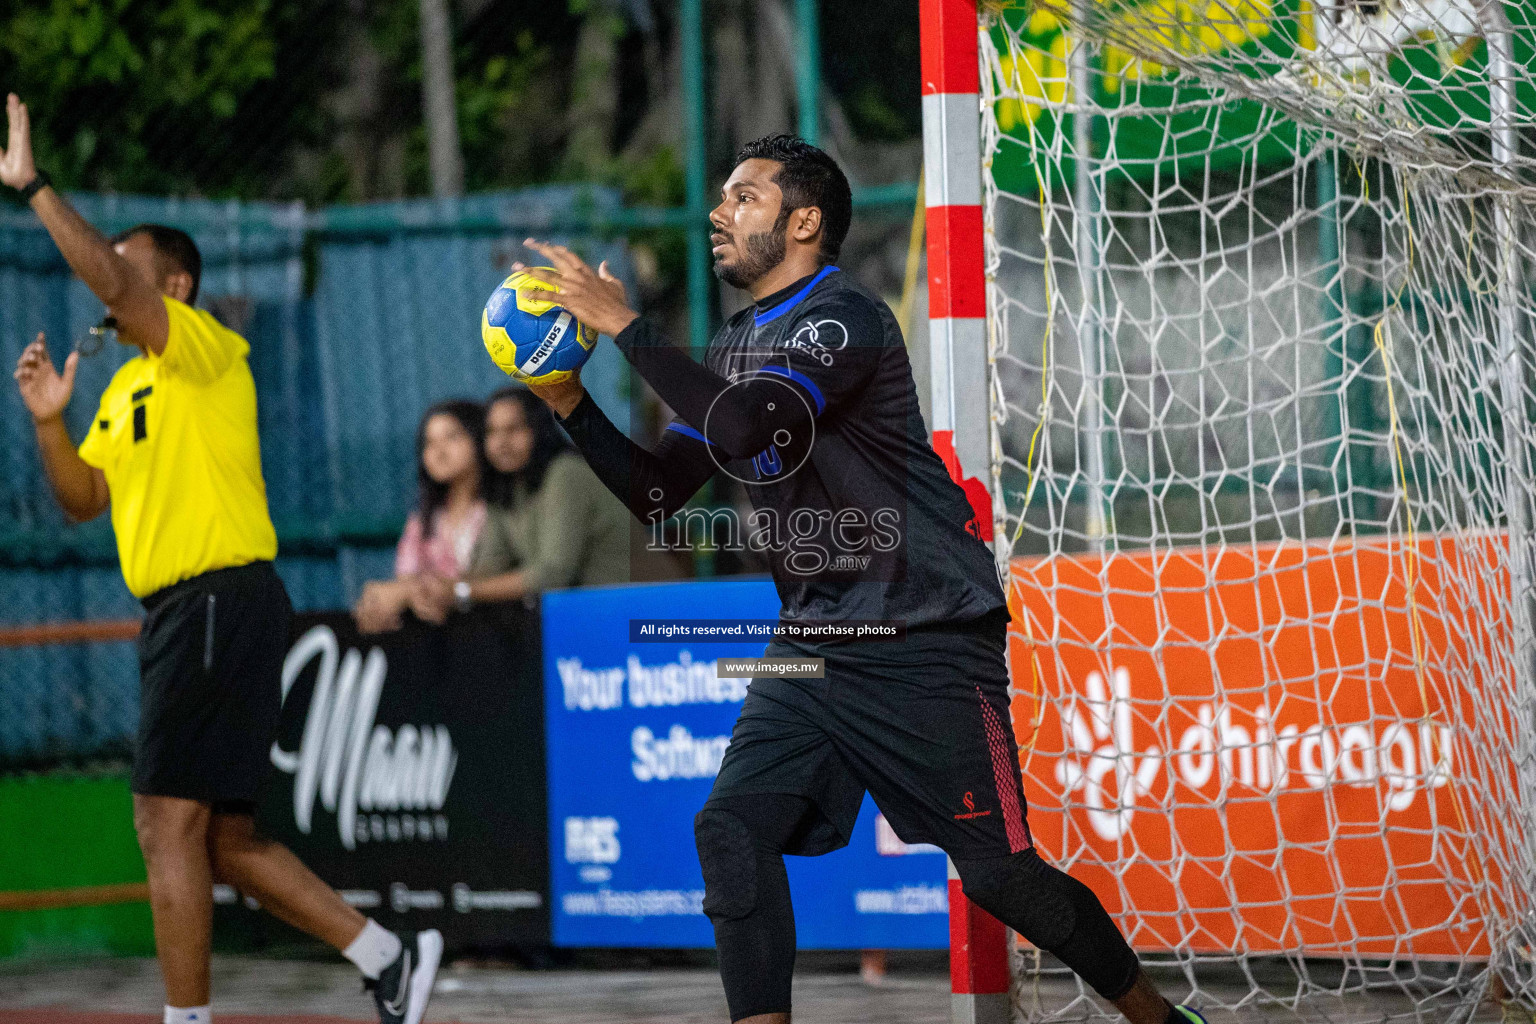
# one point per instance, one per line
(1272, 748)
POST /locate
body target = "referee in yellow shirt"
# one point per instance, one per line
(173, 451)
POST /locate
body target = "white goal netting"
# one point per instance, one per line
(1262, 326)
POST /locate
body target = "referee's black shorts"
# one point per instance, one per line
(922, 724)
(210, 675)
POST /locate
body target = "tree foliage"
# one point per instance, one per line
(175, 96)
(503, 68)
(321, 99)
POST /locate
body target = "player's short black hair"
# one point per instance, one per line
(174, 246)
(808, 177)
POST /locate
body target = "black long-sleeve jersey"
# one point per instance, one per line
(807, 398)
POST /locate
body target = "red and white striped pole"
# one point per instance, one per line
(957, 285)
(957, 331)
(978, 961)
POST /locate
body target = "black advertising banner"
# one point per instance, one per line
(409, 773)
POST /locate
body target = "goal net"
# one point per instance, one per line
(1261, 332)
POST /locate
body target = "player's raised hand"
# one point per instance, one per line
(16, 167)
(43, 389)
(595, 297)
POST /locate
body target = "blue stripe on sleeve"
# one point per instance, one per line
(790, 303)
(803, 381)
(688, 431)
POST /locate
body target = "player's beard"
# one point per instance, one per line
(756, 256)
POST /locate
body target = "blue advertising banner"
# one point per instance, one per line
(635, 734)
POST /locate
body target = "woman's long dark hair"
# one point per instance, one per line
(431, 495)
(548, 442)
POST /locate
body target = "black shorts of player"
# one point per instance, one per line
(210, 676)
(922, 724)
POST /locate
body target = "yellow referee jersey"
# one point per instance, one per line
(176, 437)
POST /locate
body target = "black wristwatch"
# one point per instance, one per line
(36, 185)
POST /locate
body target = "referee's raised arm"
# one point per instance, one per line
(128, 293)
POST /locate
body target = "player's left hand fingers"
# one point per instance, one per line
(562, 295)
(559, 255)
(570, 290)
(614, 285)
(548, 276)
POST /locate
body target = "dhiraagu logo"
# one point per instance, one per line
(1112, 760)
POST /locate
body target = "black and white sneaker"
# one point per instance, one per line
(402, 991)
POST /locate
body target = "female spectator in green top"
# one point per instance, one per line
(550, 523)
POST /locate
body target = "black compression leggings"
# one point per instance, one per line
(741, 843)
(1055, 912)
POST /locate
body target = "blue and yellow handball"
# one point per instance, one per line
(534, 340)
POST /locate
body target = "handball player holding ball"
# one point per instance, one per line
(807, 398)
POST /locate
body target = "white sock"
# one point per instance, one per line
(374, 949)
(188, 1015)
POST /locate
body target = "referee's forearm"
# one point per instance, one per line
(72, 481)
(86, 250)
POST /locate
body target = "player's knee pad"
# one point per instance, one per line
(1055, 912)
(728, 858)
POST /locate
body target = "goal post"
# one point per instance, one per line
(957, 284)
(1234, 336)
(960, 376)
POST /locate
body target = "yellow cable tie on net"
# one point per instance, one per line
(1383, 343)
(1031, 462)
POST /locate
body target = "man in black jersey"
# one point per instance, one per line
(807, 398)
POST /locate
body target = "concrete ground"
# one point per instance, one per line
(597, 990)
(915, 990)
